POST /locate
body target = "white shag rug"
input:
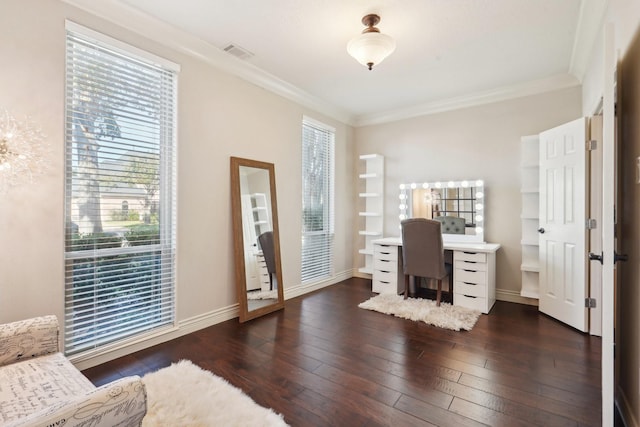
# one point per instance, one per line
(184, 395)
(446, 316)
(273, 294)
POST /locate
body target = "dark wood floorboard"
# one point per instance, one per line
(322, 361)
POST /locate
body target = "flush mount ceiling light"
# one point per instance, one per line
(371, 47)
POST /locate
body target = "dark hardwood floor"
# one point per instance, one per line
(322, 361)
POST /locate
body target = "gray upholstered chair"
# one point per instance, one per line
(266, 244)
(423, 253)
(451, 224)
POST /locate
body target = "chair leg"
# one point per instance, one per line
(406, 286)
(439, 294)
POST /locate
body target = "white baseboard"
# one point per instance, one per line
(204, 320)
(296, 291)
(187, 326)
(183, 327)
(360, 275)
(514, 296)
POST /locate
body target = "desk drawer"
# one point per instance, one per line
(470, 256)
(385, 264)
(471, 276)
(382, 287)
(385, 276)
(471, 265)
(472, 302)
(388, 252)
(471, 289)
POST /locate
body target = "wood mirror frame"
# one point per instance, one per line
(242, 249)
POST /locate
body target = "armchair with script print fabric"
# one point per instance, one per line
(39, 386)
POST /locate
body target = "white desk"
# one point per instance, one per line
(474, 271)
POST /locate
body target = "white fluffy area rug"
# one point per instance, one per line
(446, 316)
(273, 294)
(184, 395)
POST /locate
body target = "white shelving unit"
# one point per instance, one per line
(529, 216)
(256, 220)
(372, 201)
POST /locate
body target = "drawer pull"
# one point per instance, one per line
(470, 296)
(386, 283)
(384, 271)
(469, 283)
(470, 271)
(470, 253)
(470, 262)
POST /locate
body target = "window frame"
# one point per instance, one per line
(159, 255)
(324, 248)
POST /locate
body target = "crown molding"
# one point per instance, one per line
(588, 29)
(140, 23)
(557, 82)
(134, 20)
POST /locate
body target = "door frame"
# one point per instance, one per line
(608, 224)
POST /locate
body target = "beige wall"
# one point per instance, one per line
(473, 143)
(219, 116)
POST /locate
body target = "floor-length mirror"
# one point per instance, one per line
(256, 238)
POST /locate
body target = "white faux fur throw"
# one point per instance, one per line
(446, 316)
(184, 395)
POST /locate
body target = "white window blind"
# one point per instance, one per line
(119, 192)
(317, 201)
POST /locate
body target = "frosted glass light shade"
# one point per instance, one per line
(371, 48)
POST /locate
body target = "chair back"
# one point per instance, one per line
(266, 244)
(452, 224)
(422, 249)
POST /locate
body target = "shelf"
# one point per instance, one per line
(529, 294)
(529, 216)
(371, 209)
(530, 267)
(369, 233)
(530, 190)
(530, 164)
(527, 242)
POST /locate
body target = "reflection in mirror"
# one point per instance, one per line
(256, 238)
(458, 205)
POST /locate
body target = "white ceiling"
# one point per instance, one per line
(449, 52)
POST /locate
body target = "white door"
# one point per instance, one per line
(608, 220)
(562, 223)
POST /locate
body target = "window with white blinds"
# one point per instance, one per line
(120, 181)
(317, 200)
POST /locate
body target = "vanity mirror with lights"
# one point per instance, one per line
(256, 238)
(459, 205)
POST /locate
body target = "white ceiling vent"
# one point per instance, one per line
(237, 51)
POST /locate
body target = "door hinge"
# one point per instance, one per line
(591, 224)
(590, 302)
(592, 145)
